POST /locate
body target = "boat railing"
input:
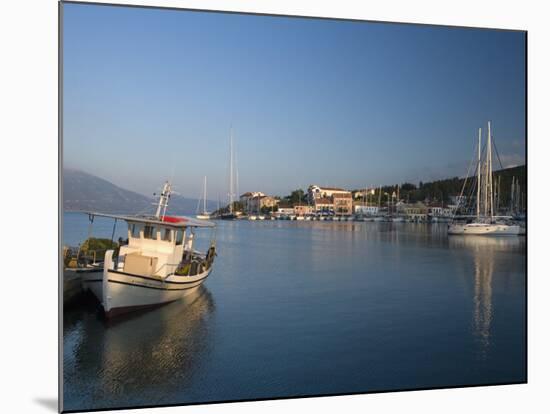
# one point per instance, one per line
(166, 265)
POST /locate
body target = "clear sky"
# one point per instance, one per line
(151, 94)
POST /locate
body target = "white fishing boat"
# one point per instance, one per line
(484, 222)
(252, 218)
(157, 265)
(204, 214)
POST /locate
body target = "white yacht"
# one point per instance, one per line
(484, 222)
(157, 265)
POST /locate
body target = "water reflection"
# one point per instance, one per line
(308, 308)
(484, 252)
(140, 358)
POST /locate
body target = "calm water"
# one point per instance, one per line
(305, 308)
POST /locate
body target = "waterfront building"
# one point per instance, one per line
(315, 192)
(367, 210)
(244, 198)
(440, 210)
(303, 210)
(458, 200)
(363, 194)
(253, 202)
(256, 204)
(417, 211)
(343, 203)
(323, 205)
(284, 212)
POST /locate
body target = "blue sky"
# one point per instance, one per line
(151, 94)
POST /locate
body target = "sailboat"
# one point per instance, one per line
(485, 221)
(204, 214)
(230, 214)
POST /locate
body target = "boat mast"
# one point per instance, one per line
(512, 196)
(478, 171)
(163, 200)
(204, 201)
(485, 181)
(490, 168)
(231, 172)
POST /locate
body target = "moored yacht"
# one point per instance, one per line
(157, 265)
(484, 222)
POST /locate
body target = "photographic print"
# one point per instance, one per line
(260, 207)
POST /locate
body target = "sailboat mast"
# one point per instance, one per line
(485, 181)
(512, 196)
(490, 167)
(231, 172)
(204, 201)
(478, 172)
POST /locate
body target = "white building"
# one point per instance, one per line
(314, 192)
(247, 199)
(284, 211)
(367, 210)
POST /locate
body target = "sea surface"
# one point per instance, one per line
(309, 308)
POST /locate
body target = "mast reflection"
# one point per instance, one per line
(484, 253)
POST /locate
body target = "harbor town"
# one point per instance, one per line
(383, 203)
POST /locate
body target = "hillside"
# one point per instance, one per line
(83, 191)
(441, 190)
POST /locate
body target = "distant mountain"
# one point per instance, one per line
(83, 191)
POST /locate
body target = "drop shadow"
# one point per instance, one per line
(49, 403)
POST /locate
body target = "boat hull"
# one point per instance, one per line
(228, 216)
(485, 229)
(120, 292)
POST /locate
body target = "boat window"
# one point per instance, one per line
(179, 237)
(135, 230)
(167, 235)
(149, 232)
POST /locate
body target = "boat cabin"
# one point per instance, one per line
(157, 247)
